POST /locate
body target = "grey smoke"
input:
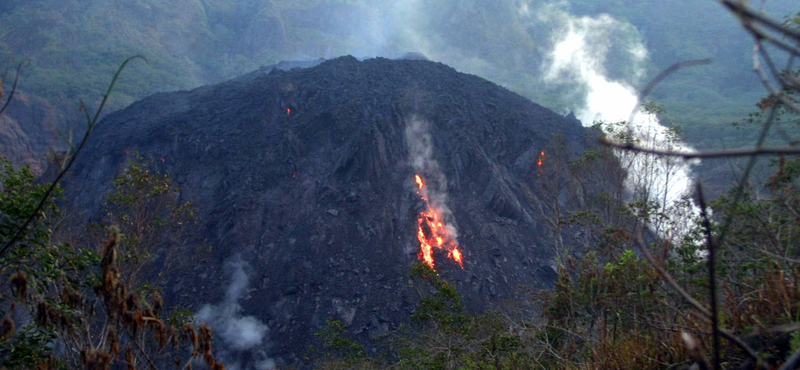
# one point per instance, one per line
(444, 31)
(239, 333)
(420, 149)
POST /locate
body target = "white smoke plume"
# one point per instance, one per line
(420, 149)
(529, 46)
(239, 334)
(580, 56)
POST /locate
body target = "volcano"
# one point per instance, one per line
(309, 176)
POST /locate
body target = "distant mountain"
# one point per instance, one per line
(309, 176)
(73, 48)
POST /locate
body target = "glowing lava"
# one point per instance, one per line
(432, 231)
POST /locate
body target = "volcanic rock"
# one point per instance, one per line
(28, 128)
(308, 175)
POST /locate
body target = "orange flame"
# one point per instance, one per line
(440, 238)
(288, 111)
(541, 159)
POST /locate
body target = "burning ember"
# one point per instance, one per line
(288, 111)
(432, 232)
(541, 159)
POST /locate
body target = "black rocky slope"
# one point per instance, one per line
(321, 202)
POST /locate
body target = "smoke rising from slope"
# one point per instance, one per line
(420, 149)
(458, 34)
(240, 334)
(588, 63)
(538, 49)
(579, 56)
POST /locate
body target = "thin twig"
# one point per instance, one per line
(91, 124)
(666, 276)
(758, 49)
(705, 153)
(739, 8)
(150, 362)
(739, 191)
(13, 87)
(660, 77)
(792, 362)
(772, 67)
(712, 279)
(688, 298)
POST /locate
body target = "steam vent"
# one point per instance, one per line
(311, 176)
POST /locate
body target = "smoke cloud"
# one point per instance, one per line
(580, 57)
(239, 334)
(539, 49)
(420, 149)
(459, 34)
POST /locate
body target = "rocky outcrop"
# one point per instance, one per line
(29, 128)
(308, 175)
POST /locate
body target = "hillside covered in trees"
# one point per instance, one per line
(69, 50)
(391, 214)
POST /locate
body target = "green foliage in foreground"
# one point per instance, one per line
(612, 309)
(70, 306)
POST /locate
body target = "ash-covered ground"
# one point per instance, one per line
(304, 182)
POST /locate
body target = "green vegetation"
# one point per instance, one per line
(647, 285)
(612, 309)
(79, 305)
(623, 299)
(197, 42)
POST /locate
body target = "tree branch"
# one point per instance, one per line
(688, 298)
(705, 153)
(712, 279)
(91, 124)
(13, 87)
(745, 13)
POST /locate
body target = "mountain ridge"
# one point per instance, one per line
(308, 175)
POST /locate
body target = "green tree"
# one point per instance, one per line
(154, 225)
(66, 306)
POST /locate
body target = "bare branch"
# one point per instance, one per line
(774, 92)
(706, 153)
(13, 87)
(688, 298)
(666, 275)
(660, 77)
(740, 189)
(748, 15)
(792, 362)
(712, 279)
(51, 188)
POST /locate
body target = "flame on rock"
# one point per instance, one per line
(540, 162)
(432, 231)
(418, 180)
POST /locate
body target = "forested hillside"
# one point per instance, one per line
(70, 48)
(394, 214)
